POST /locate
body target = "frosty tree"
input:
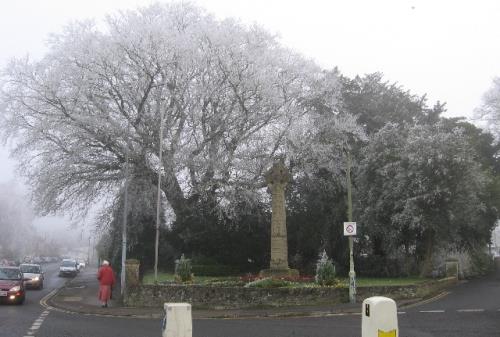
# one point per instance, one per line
(423, 189)
(490, 110)
(231, 95)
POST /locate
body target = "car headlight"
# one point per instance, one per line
(36, 278)
(15, 288)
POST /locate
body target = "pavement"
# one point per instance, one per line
(79, 296)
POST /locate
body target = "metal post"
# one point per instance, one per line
(93, 249)
(352, 273)
(158, 198)
(125, 215)
(88, 252)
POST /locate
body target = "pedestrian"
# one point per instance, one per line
(106, 278)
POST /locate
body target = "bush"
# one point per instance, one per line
(383, 266)
(183, 269)
(481, 263)
(325, 271)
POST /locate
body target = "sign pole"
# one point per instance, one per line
(352, 273)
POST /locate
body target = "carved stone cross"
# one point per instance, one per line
(277, 178)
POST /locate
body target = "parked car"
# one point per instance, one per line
(34, 275)
(6, 262)
(12, 285)
(69, 267)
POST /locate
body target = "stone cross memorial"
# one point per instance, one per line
(277, 178)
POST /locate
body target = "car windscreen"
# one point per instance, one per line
(10, 274)
(68, 264)
(30, 269)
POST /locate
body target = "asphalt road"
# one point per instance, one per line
(471, 309)
(15, 320)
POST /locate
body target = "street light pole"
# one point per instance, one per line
(125, 215)
(88, 251)
(352, 273)
(158, 197)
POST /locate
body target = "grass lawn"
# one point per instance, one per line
(169, 277)
(371, 281)
(360, 282)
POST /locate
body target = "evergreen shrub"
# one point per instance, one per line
(325, 271)
(183, 269)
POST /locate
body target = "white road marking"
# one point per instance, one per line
(470, 310)
(37, 324)
(431, 311)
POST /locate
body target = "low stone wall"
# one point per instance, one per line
(230, 297)
(416, 291)
(239, 297)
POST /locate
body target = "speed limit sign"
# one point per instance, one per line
(349, 228)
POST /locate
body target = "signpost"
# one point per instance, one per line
(350, 231)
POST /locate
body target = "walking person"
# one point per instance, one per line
(107, 279)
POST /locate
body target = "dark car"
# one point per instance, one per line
(12, 285)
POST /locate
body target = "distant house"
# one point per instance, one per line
(495, 241)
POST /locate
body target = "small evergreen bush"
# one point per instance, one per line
(183, 269)
(325, 271)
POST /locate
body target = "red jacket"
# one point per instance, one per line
(106, 276)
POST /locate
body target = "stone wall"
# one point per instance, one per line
(422, 290)
(230, 297)
(239, 297)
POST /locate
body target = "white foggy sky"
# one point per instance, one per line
(447, 49)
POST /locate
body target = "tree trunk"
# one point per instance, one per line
(427, 265)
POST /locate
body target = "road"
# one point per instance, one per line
(15, 320)
(471, 309)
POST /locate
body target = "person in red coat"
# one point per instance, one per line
(106, 278)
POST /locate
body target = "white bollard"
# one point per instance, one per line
(380, 317)
(178, 320)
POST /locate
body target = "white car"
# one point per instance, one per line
(68, 268)
(33, 275)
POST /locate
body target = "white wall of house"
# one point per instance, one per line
(495, 240)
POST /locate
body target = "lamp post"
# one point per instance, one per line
(125, 215)
(158, 198)
(88, 251)
(352, 273)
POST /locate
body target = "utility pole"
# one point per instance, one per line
(93, 249)
(352, 273)
(125, 215)
(88, 252)
(158, 197)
